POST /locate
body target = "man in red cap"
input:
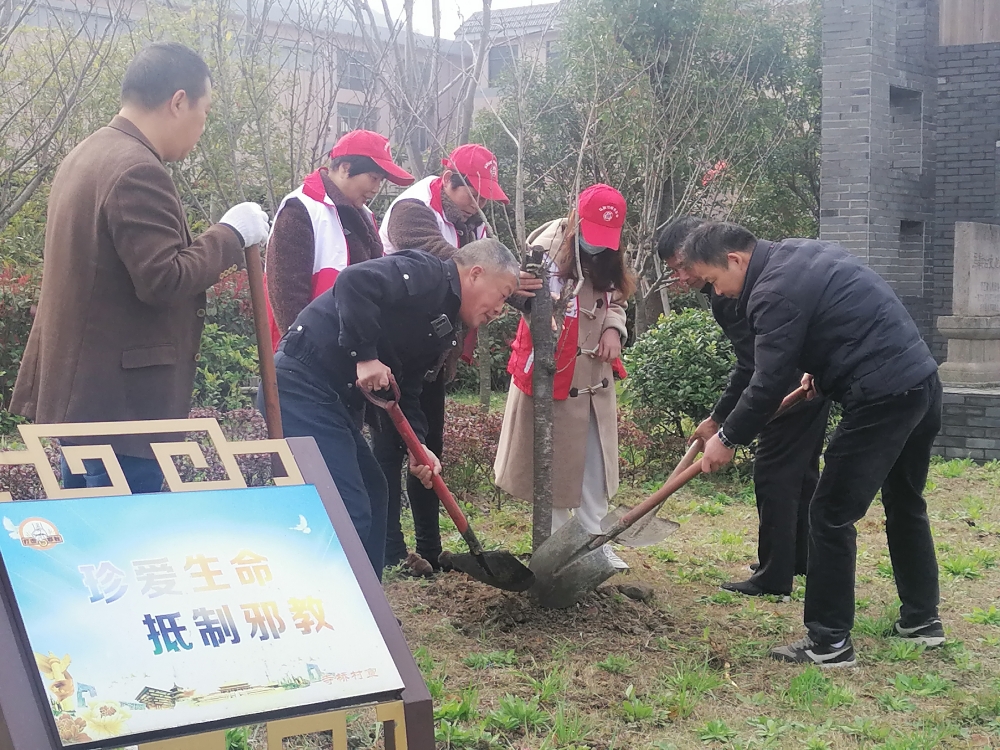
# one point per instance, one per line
(440, 214)
(437, 215)
(324, 225)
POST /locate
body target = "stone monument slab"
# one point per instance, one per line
(973, 330)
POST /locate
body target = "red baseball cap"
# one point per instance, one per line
(479, 166)
(376, 148)
(602, 215)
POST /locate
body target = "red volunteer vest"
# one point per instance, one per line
(521, 364)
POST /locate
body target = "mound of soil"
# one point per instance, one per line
(471, 607)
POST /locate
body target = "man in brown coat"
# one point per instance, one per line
(122, 303)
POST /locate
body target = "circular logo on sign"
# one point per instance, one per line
(38, 533)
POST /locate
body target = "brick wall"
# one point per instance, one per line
(970, 424)
(968, 129)
(879, 96)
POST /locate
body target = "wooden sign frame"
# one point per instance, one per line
(25, 715)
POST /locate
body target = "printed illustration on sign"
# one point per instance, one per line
(143, 616)
(34, 532)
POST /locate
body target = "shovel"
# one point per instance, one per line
(649, 529)
(265, 352)
(499, 569)
(572, 562)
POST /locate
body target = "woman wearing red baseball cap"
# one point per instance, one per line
(325, 225)
(585, 429)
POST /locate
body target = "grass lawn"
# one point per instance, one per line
(690, 668)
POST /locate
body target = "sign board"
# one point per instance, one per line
(149, 612)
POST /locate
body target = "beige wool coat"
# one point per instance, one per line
(122, 305)
(513, 467)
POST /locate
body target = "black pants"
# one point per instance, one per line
(785, 474)
(390, 452)
(879, 444)
(310, 407)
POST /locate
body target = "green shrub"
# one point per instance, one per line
(18, 294)
(677, 370)
(227, 362)
(228, 305)
(502, 332)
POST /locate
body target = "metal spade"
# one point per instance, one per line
(572, 562)
(498, 568)
(649, 529)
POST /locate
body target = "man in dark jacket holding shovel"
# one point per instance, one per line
(815, 307)
(396, 315)
(786, 462)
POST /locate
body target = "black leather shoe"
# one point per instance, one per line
(749, 588)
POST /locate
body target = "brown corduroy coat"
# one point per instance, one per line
(513, 467)
(122, 304)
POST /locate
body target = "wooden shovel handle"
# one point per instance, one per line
(686, 470)
(649, 504)
(692, 453)
(414, 446)
(799, 394)
(265, 348)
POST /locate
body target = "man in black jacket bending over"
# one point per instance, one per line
(786, 462)
(815, 307)
(394, 315)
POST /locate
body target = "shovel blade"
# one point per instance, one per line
(568, 541)
(571, 582)
(566, 569)
(645, 532)
(505, 571)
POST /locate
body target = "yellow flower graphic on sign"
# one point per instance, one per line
(105, 718)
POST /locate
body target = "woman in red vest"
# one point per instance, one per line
(585, 430)
(325, 225)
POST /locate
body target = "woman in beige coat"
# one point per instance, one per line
(585, 430)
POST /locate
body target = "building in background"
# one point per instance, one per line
(910, 147)
(523, 35)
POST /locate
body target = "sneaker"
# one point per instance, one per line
(754, 567)
(808, 651)
(749, 588)
(616, 561)
(930, 634)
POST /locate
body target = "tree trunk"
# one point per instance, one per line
(543, 339)
(485, 368)
(7, 212)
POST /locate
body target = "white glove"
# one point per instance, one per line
(249, 221)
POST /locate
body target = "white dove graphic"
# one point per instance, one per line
(12, 529)
(303, 525)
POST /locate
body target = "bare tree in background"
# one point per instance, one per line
(46, 74)
(288, 77)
